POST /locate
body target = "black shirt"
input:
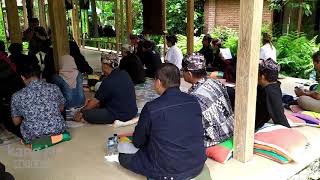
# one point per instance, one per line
(152, 61)
(117, 94)
(269, 106)
(207, 52)
(133, 65)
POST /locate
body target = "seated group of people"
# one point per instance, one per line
(173, 130)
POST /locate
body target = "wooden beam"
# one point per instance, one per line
(94, 18)
(164, 25)
(42, 14)
(75, 23)
(13, 21)
(190, 26)
(129, 18)
(57, 13)
(247, 75)
(117, 24)
(121, 22)
(25, 15)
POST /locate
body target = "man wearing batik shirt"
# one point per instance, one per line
(37, 107)
(212, 96)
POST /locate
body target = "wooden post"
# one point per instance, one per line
(190, 26)
(300, 16)
(129, 18)
(42, 14)
(164, 26)
(13, 21)
(58, 22)
(75, 23)
(29, 4)
(121, 22)
(247, 75)
(116, 24)
(94, 18)
(25, 15)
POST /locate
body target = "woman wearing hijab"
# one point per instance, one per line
(69, 81)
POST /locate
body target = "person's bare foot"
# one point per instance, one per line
(78, 117)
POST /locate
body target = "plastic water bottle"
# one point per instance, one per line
(313, 76)
(110, 146)
(115, 140)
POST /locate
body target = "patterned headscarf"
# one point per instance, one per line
(269, 64)
(110, 59)
(194, 62)
(127, 48)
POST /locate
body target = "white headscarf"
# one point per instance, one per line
(69, 71)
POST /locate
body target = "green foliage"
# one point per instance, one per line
(294, 53)
(278, 5)
(228, 36)
(2, 27)
(107, 12)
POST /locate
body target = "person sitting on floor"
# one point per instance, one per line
(69, 81)
(310, 100)
(207, 50)
(169, 133)
(150, 59)
(174, 54)
(18, 58)
(38, 106)
(218, 116)
(269, 95)
(132, 64)
(218, 63)
(10, 82)
(80, 60)
(267, 50)
(137, 41)
(115, 99)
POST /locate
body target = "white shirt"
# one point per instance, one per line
(174, 56)
(267, 52)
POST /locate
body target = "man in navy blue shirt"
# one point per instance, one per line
(169, 133)
(115, 99)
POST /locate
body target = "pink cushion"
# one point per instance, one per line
(287, 140)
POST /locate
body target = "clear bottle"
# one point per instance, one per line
(110, 146)
(115, 140)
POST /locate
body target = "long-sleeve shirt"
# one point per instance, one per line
(269, 106)
(170, 137)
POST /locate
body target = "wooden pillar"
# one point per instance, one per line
(57, 13)
(300, 16)
(190, 26)
(121, 22)
(42, 14)
(94, 18)
(164, 26)
(117, 24)
(13, 21)
(247, 75)
(75, 23)
(129, 18)
(29, 4)
(25, 15)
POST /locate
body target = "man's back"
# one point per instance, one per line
(117, 94)
(133, 65)
(152, 61)
(39, 105)
(218, 116)
(170, 135)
